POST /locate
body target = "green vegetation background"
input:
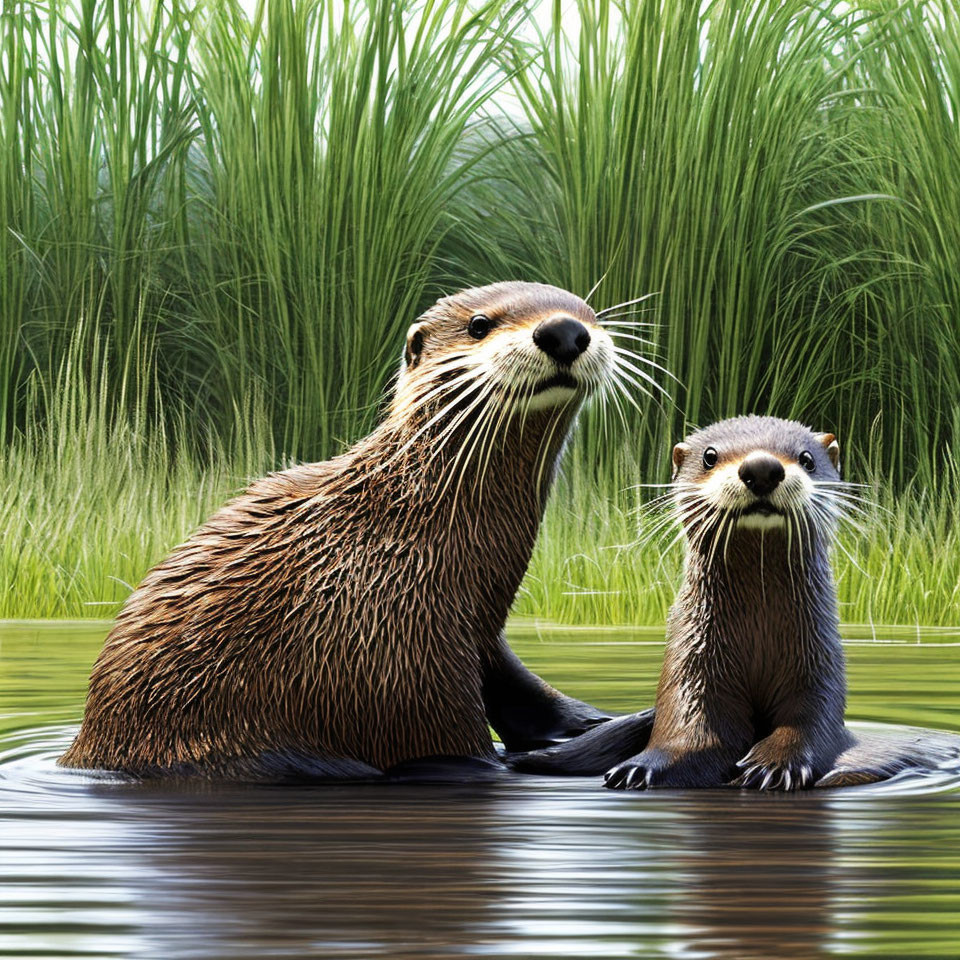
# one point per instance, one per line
(215, 227)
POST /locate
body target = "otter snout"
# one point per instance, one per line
(562, 338)
(761, 473)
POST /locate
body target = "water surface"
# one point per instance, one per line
(528, 867)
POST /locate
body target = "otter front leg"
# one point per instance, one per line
(526, 712)
(694, 743)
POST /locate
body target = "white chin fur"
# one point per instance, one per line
(553, 397)
(757, 521)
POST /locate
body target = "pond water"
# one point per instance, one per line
(524, 867)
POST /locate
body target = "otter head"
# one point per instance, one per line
(755, 474)
(513, 347)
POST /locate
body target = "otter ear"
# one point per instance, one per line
(414, 348)
(829, 443)
(680, 452)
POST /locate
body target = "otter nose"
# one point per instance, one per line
(562, 338)
(761, 473)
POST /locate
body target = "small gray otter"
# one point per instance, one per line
(753, 686)
(341, 618)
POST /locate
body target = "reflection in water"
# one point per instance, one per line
(521, 866)
(517, 867)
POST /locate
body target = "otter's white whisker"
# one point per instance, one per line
(612, 322)
(639, 358)
(620, 379)
(632, 336)
(628, 303)
(622, 373)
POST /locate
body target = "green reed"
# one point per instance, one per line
(215, 226)
(716, 156)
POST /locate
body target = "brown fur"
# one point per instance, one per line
(338, 618)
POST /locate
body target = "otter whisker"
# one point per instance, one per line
(849, 489)
(614, 388)
(849, 514)
(485, 388)
(619, 378)
(477, 437)
(628, 303)
(645, 538)
(637, 378)
(439, 372)
(472, 384)
(462, 457)
(851, 500)
(840, 511)
(625, 378)
(717, 534)
(836, 541)
(651, 523)
(470, 377)
(656, 516)
(420, 401)
(596, 286)
(655, 503)
(622, 351)
(614, 320)
(842, 483)
(507, 412)
(632, 336)
(848, 499)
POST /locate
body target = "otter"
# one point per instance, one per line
(753, 687)
(344, 618)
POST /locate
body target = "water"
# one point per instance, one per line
(530, 867)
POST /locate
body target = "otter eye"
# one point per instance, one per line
(710, 456)
(807, 462)
(479, 326)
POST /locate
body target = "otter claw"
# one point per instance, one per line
(614, 779)
(747, 778)
(634, 778)
(774, 777)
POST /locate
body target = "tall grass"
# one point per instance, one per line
(722, 157)
(216, 222)
(230, 209)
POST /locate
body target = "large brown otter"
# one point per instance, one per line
(753, 686)
(340, 618)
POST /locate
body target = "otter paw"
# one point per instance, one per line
(647, 769)
(762, 773)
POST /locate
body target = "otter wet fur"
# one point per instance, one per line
(753, 686)
(344, 617)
